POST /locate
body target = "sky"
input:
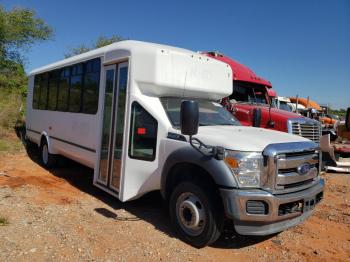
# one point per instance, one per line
(302, 47)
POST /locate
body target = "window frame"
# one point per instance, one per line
(135, 103)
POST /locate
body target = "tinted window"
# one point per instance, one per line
(63, 88)
(143, 134)
(74, 88)
(36, 92)
(210, 113)
(249, 93)
(43, 91)
(76, 82)
(91, 86)
(75, 94)
(53, 85)
(285, 106)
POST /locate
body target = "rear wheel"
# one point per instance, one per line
(196, 214)
(48, 160)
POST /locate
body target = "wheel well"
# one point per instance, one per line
(42, 139)
(187, 172)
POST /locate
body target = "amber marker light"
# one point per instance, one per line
(231, 162)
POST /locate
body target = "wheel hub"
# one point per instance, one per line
(191, 214)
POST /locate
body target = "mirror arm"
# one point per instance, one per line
(217, 151)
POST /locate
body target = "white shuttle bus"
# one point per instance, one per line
(144, 116)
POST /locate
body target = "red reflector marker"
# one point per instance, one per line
(141, 131)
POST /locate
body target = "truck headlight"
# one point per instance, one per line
(245, 166)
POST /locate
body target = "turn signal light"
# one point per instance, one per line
(231, 162)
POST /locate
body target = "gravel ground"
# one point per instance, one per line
(60, 216)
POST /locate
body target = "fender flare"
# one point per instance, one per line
(217, 169)
(48, 140)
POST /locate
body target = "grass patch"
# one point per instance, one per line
(10, 144)
(12, 106)
(3, 221)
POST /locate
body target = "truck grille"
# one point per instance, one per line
(290, 167)
(288, 173)
(307, 128)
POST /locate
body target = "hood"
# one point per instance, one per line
(244, 138)
(275, 112)
(280, 117)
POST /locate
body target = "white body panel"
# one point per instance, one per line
(154, 71)
(283, 99)
(244, 138)
(294, 106)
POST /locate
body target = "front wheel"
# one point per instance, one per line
(196, 214)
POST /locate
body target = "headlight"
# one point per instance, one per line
(245, 166)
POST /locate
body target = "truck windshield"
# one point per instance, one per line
(285, 106)
(249, 93)
(210, 113)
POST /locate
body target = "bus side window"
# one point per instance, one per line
(36, 91)
(43, 91)
(143, 134)
(76, 82)
(91, 86)
(63, 86)
(53, 86)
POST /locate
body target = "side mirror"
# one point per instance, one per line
(256, 117)
(189, 117)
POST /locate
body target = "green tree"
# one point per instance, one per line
(100, 42)
(19, 30)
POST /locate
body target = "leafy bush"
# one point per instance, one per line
(12, 106)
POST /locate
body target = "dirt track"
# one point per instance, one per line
(60, 216)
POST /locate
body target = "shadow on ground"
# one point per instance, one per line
(149, 208)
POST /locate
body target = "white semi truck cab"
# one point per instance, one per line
(145, 117)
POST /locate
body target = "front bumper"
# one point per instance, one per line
(274, 220)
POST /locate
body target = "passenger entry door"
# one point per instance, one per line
(109, 167)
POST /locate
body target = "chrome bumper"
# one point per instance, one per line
(235, 203)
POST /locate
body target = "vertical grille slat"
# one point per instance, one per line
(310, 131)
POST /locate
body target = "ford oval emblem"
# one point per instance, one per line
(304, 169)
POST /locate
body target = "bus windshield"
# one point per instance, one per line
(210, 113)
(249, 93)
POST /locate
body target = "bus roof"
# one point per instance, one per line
(99, 52)
(161, 70)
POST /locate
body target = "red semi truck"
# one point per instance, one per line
(250, 97)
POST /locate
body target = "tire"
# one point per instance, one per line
(196, 213)
(47, 160)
